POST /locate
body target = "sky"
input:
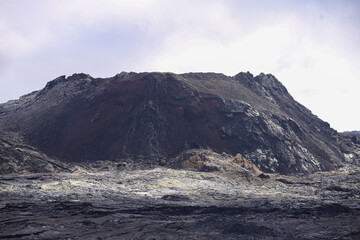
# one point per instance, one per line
(312, 47)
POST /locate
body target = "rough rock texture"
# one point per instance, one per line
(350, 146)
(154, 117)
(164, 203)
(18, 157)
(209, 161)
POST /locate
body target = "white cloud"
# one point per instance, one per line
(312, 48)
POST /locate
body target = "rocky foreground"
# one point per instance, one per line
(165, 203)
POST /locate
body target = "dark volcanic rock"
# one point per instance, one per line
(18, 157)
(352, 132)
(153, 117)
(164, 203)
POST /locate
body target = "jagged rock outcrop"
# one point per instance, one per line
(350, 146)
(205, 160)
(154, 117)
(18, 157)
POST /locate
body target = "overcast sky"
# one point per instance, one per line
(312, 47)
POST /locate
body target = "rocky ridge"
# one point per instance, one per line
(352, 132)
(154, 117)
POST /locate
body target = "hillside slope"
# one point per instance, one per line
(153, 117)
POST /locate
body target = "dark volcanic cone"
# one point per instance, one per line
(152, 117)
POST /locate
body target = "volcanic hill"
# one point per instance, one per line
(154, 117)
